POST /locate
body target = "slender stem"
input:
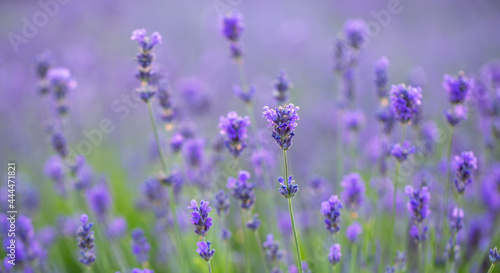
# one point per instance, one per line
(157, 138)
(491, 268)
(89, 269)
(261, 251)
(420, 254)
(448, 179)
(242, 75)
(354, 253)
(292, 219)
(394, 196)
(247, 251)
(340, 158)
(209, 267)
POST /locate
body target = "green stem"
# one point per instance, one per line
(292, 219)
(261, 251)
(491, 268)
(354, 253)
(448, 180)
(394, 195)
(157, 138)
(247, 250)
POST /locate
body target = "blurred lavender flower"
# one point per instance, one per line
(199, 217)
(288, 190)
(117, 228)
(54, 170)
(457, 87)
(193, 152)
(335, 254)
(235, 127)
(43, 62)
(283, 120)
(331, 210)
(254, 223)
(99, 200)
(430, 135)
(305, 268)
(464, 164)
(381, 77)
(261, 158)
(61, 82)
(387, 118)
(60, 144)
(145, 59)
(222, 203)
(272, 248)
(455, 115)
(491, 189)
(340, 54)
(174, 179)
(194, 94)
(405, 101)
(281, 86)
(153, 191)
(86, 241)
(232, 29)
(401, 152)
(451, 251)
(140, 246)
(353, 231)
(354, 120)
(494, 256)
(168, 113)
(419, 207)
(226, 234)
(456, 220)
(242, 190)
(419, 234)
(246, 97)
(176, 142)
(355, 31)
(204, 250)
(354, 191)
(138, 270)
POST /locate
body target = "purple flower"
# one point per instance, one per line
(137, 270)
(153, 191)
(86, 241)
(430, 135)
(354, 120)
(117, 228)
(283, 120)
(261, 159)
(405, 101)
(232, 26)
(491, 189)
(457, 87)
(335, 254)
(254, 223)
(331, 210)
(494, 256)
(140, 246)
(222, 203)
(61, 81)
(418, 233)
(355, 31)
(176, 142)
(145, 59)
(289, 189)
(455, 115)
(173, 179)
(199, 217)
(246, 97)
(235, 127)
(242, 190)
(381, 77)
(146, 43)
(272, 248)
(60, 144)
(353, 231)
(456, 220)
(387, 118)
(401, 152)
(419, 204)
(204, 250)
(281, 86)
(354, 190)
(451, 250)
(464, 164)
(193, 152)
(99, 200)
(55, 170)
(225, 234)
(164, 97)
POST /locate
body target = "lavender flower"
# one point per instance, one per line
(153, 190)
(353, 231)
(222, 203)
(99, 200)
(355, 31)
(43, 63)
(457, 87)
(140, 246)
(455, 115)
(430, 135)
(405, 101)
(54, 170)
(137, 270)
(464, 165)
(494, 256)
(281, 86)
(173, 179)
(456, 220)
(246, 97)
(235, 127)
(387, 118)
(401, 152)
(164, 99)
(331, 210)
(419, 234)
(354, 190)
(261, 158)
(193, 152)
(283, 120)
(335, 254)
(419, 207)
(204, 250)
(60, 144)
(61, 81)
(354, 120)
(225, 234)
(289, 189)
(242, 190)
(254, 223)
(145, 59)
(199, 217)
(272, 248)
(86, 241)
(232, 29)
(381, 77)
(451, 250)
(117, 228)
(176, 142)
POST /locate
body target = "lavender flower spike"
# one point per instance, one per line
(235, 127)
(281, 86)
(140, 246)
(464, 164)
(145, 59)
(254, 223)
(354, 190)
(457, 87)
(272, 248)
(455, 115)
(381, 77)
(204, 250)
(86, 241)
(291, 190)
(222, 203)
(405, 101)
(199, 217)
(353, 231)
(419, 207)
(494, 256)
(401, 152)
(242, 190)
(355, 32)
(331, 210)
(335, 254)
(283, 120)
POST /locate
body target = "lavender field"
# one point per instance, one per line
(250, 136)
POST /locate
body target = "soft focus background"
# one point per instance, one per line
(424, 41)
